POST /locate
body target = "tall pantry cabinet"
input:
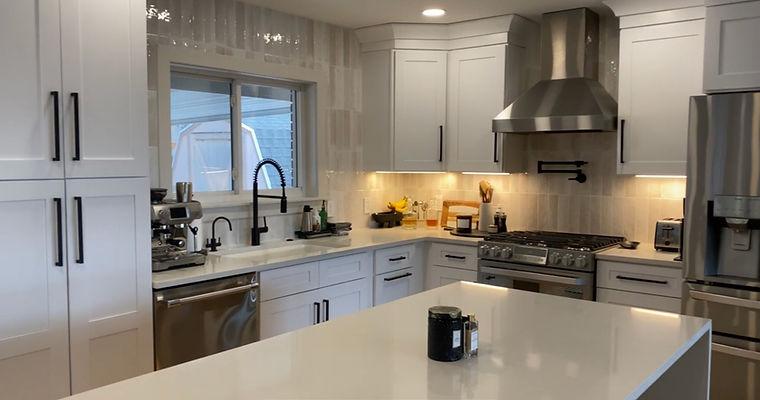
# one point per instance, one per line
(75, 276)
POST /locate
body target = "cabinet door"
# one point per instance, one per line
(289, 313)
(660, 68)
(104, 65)
(641, 300)
(344, 269)
(396, 285)
(419, 111)
(34, 358)
(346, 298)
(475, 93)
(732, 56)
(441, 276)
(31, 65)
(109, 280)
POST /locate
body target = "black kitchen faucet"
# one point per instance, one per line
(255, 230)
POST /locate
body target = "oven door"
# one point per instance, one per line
(574, 284)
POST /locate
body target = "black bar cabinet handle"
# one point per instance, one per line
(327, 309)
(316, 312)
(77, 155)
(56, 126)
(80, 236)
(622, 140)
(630, 278)
(495, 147)
(397, 258)
(59, 226)
(398, 277)
(455, 257)
(440, 143)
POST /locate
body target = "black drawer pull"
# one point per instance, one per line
(316, 312)
(77, 154)
(490, 277)
(327, 309)
(440, 143)
(455, 257)
(398, 277)
(80, 235)
(397, 259)
(644, 280)
(495, 147)
(59, 225)
(56, 127)
(622, 140)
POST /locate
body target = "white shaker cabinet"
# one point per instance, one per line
(31, 87)
(396, 285)
(441, 276)
(345, 298)
(34, 345)
(476, 94)
(109, 280)
(660, 68)
(419, 110)
(732, 54)
(104, 87)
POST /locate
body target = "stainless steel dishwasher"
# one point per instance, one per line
(201, 319)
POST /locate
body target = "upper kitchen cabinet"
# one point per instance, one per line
(104, 95)
(732, 56)
(661, 56)
(420, 110)
(431, 90)
(31, 90)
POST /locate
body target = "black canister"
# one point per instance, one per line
(445, 333)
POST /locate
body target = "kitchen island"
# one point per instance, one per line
(532, 346)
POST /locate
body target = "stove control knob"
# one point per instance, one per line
(554, 258)
(496, 251)
(568, 260)
(580, 262)
(485, 250)
(507, 253)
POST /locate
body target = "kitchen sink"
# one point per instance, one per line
(270, 251)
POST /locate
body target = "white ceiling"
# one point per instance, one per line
(359, 13)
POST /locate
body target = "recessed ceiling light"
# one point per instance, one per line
(434, 12)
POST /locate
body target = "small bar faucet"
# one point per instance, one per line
(255, 230)
(213, 242)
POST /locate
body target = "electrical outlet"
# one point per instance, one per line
(367, 205)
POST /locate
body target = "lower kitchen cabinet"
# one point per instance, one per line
(440, 276)
(310, 308)
(639, 285)
(640, 300)
(34, 342)
(398, 284)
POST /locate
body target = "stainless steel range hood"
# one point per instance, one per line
(569, 98)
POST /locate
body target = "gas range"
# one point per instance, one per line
(551, 249)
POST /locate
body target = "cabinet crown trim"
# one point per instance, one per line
(626, 7)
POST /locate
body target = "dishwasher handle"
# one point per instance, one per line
(203, 296)
(726, 300)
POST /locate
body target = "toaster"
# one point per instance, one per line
(667, 234)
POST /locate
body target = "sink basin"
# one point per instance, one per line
(269, 252)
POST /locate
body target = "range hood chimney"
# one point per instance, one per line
(569, 97)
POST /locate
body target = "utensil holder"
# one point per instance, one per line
(485, 216)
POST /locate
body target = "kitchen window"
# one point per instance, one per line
(223, 124)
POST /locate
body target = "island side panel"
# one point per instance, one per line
(688, 378)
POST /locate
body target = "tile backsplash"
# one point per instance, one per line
(607, 203)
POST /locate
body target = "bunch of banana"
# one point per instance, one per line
(399, 206)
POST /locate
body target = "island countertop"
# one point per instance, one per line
(532, 346)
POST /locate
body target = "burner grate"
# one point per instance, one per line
(556, 240)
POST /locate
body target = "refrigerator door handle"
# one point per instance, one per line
(727, 300)
(736, 352)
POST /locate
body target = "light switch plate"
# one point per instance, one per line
(366, 205)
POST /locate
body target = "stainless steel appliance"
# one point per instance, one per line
(722, 236)
(201, 319)
(569, 97)
(170, 226)
(562, 264)
(667, 234)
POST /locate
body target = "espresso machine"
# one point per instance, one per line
(722, 236)
(170, 223)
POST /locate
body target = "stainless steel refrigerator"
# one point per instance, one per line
(722, 236)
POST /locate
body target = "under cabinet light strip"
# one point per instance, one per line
(662, 176)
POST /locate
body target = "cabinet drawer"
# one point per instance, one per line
(441, 276)
(344, 269)
(639, 278)
(455, 256)
(396, 285)
(393, 259)
(289, 280)
(650, 301)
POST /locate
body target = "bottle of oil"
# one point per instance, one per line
(470, 336)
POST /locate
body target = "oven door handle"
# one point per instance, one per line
(736, 352)
(203, 296)
(727, 300)
(513, 273)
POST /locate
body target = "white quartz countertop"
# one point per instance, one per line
(532, 346)
(645, 253)
(303, 251)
